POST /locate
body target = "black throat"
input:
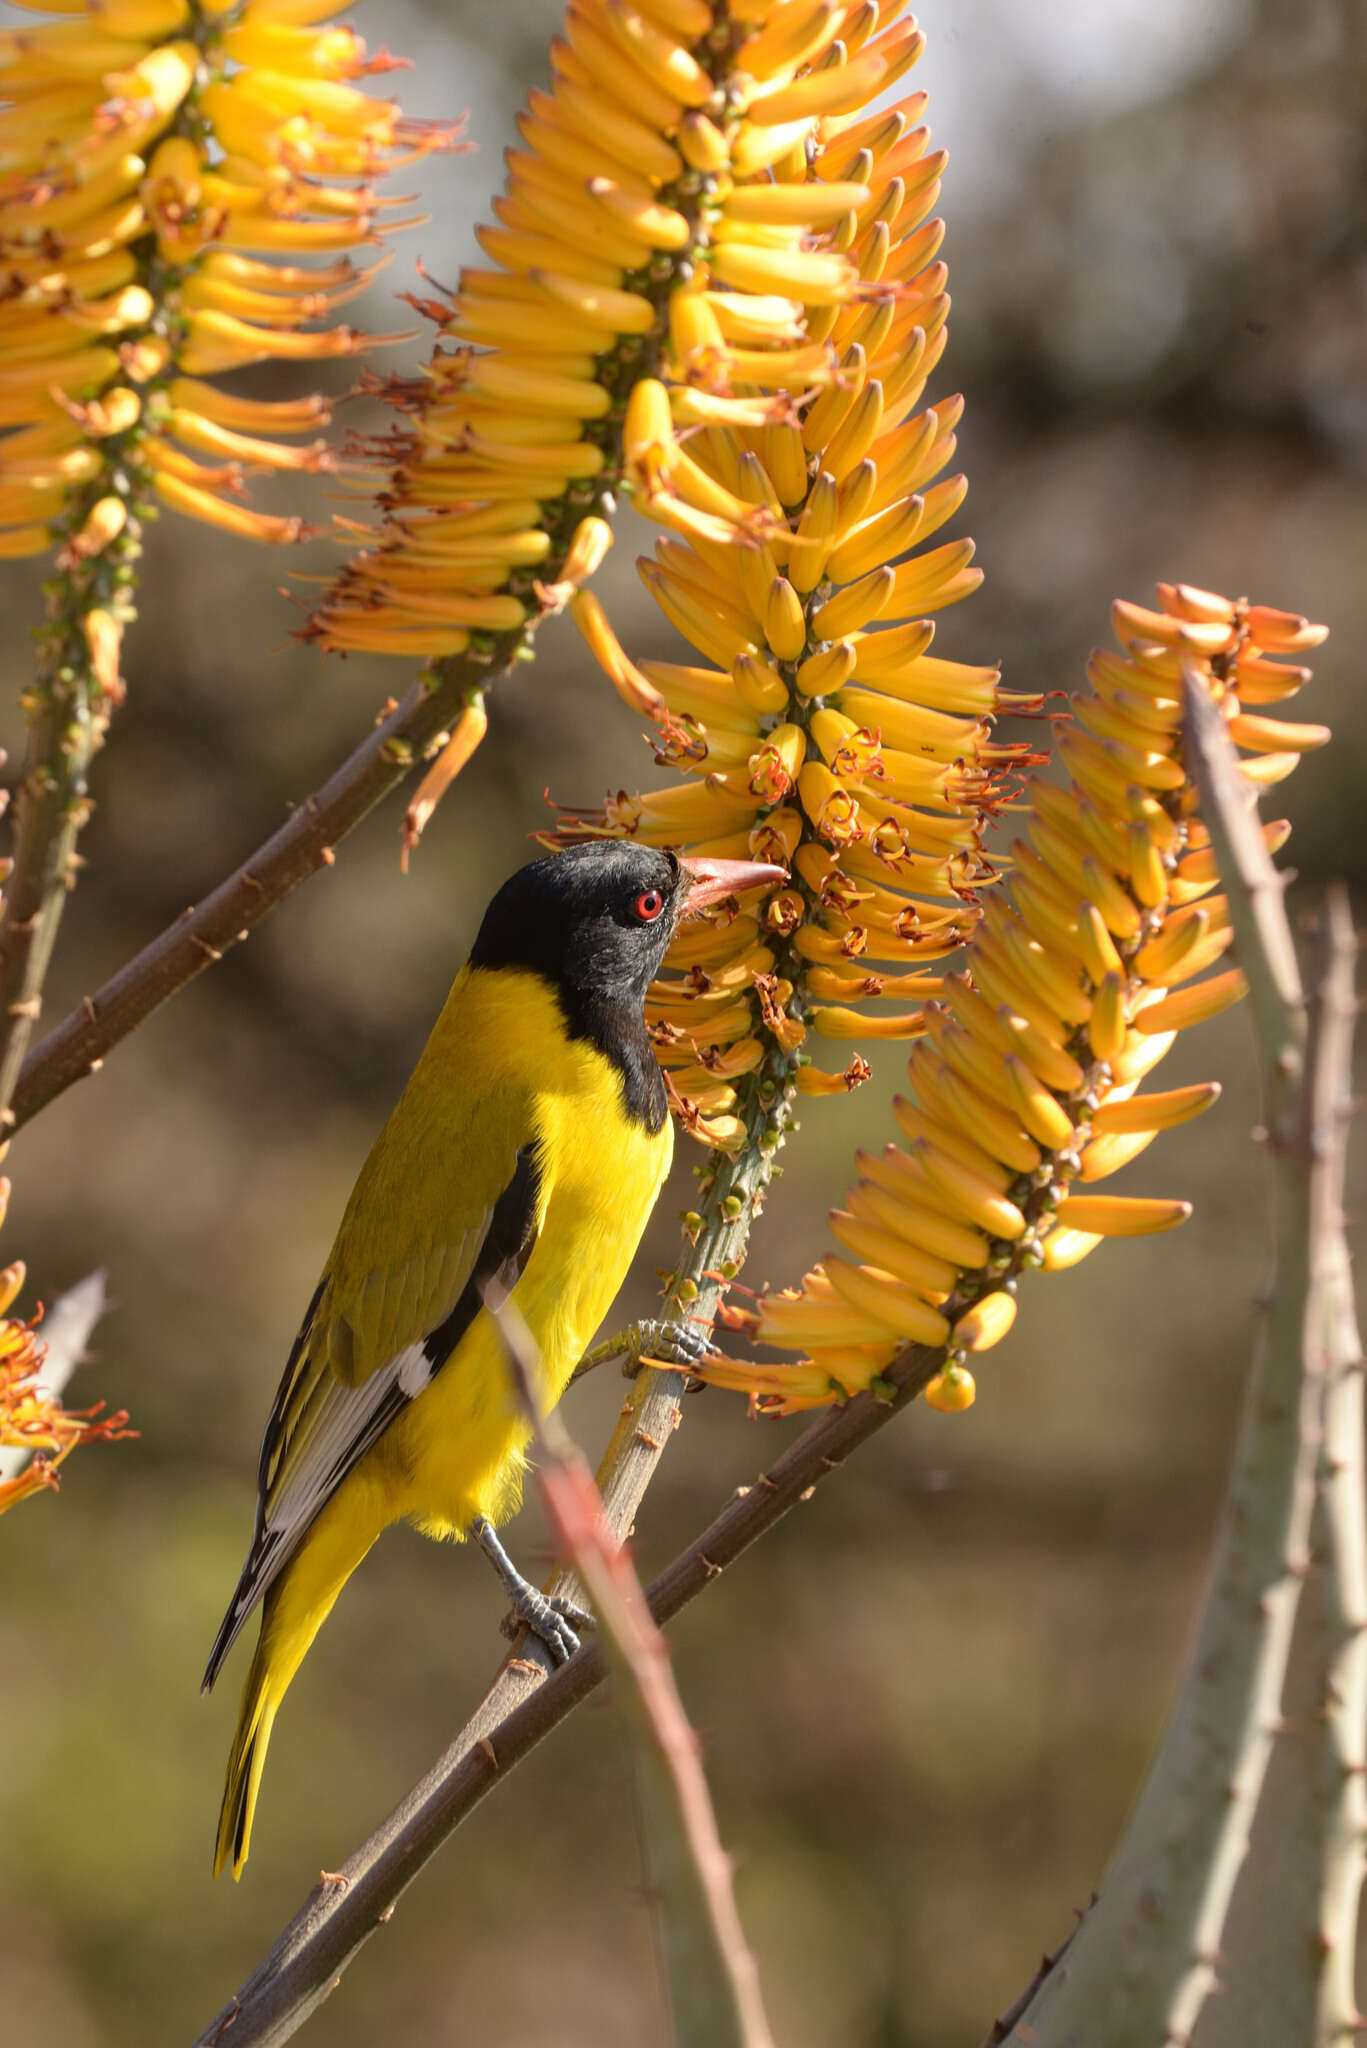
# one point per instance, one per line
(618, 1031)
(608, 1020)
(575, 919)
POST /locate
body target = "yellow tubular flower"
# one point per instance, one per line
(164, 165)
(1025, 1083)
(810, 325)
(653, 224)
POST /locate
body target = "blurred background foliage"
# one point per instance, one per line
(929, 1698)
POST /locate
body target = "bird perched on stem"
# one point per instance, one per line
(524, 1157)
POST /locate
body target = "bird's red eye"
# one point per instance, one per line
(648, 905)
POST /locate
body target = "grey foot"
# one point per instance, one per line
(551, 1618)
(553, 1621)
(684, 1344)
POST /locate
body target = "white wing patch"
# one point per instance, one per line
(414, 1369)
(354, 1420)
(323, 1424)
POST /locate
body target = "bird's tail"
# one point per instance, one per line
(293, 1612)
(261, 1696)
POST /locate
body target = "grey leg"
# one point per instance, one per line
(677, 1343)
(552, 1619)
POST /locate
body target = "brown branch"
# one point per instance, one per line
(339, 1915)
(301, 846)
(714, 1983)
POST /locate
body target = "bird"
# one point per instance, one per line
(521, 1162)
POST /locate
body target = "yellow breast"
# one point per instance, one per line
(461, 1444)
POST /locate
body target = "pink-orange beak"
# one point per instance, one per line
(714, 880)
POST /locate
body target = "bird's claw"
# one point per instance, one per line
(682, 1344)
(551, 1618)
(668, 1343)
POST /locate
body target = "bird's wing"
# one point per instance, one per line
(373, 1338)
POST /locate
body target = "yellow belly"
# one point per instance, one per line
(459, 1450)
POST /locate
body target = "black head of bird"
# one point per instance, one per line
(596, 921)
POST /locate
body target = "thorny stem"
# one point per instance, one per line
(714, 1991)
(343, 1912)
(1342, 1510)
(202, 934)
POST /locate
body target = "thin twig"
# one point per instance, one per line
(1147, 1960)
(68, 705)
(714, 1983)
(202, 934)
(300, 1970)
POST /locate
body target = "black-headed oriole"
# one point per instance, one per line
(527, 1152)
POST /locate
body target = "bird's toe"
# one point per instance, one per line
(550, 1620)
(578, 1617)
(670, 1343)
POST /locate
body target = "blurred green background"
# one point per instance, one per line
(928, 1699)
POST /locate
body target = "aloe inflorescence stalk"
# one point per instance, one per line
(660, 202)
(180, 184)
(169, 170)
(1087, 964)
(821, 734)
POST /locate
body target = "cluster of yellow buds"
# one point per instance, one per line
(33, 1422)
(168, 171)
(783, 448)
(1077, 982)
(665, 163)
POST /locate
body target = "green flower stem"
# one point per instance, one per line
(68, 716)
(1289, 1953)
(51, 809)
